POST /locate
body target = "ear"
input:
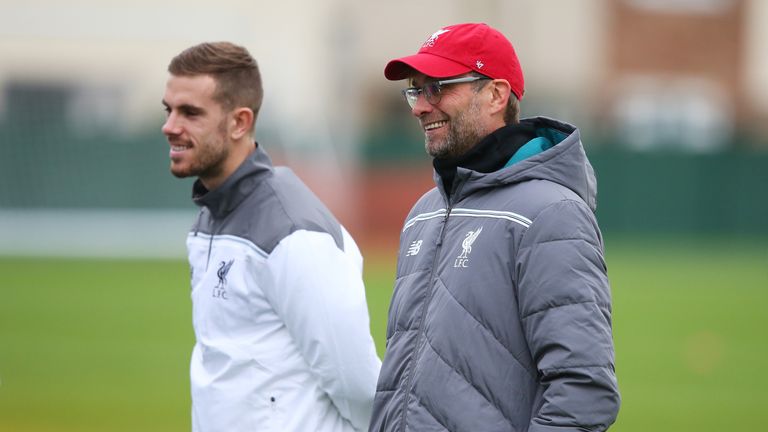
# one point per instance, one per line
(242, 122)
(500, 93)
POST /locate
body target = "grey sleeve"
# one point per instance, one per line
(565, 307)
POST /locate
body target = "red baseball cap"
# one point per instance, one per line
(462, 48)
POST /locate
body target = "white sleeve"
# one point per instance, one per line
(319, 293)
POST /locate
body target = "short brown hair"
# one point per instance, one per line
(238, 81)
(512, 111)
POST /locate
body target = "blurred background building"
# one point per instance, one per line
(671, 97)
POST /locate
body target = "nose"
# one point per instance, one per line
(170, 126)
(421, 106)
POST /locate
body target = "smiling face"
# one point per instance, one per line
(196, 128)
(454, 124)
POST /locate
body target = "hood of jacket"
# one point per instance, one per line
(565, 163)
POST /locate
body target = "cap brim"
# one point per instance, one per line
(428, 64)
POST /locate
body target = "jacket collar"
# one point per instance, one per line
(225, 198)
(489, 155)
(565, 163)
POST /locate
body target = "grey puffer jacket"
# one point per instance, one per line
(501, 314)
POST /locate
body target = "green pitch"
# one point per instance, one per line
(103, 345)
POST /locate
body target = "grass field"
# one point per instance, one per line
(103, 345)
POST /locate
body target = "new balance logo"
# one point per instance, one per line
(462, 261)
(414, 248)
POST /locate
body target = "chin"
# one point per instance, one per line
(436, 150)
(181, 172)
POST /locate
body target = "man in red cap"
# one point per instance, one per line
(501, 315)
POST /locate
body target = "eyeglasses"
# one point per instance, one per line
(432, 91)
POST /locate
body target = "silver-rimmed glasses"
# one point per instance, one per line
(432, 90)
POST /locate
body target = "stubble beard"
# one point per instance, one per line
(463, 134)
(209, 158)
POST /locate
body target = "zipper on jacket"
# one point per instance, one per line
(210, 243)
(421, 339)
(197, 223)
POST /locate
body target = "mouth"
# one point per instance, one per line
(178, 149)
(434, 125)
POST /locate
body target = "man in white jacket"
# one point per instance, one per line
(279, 310)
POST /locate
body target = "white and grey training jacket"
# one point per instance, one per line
(279, 310)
